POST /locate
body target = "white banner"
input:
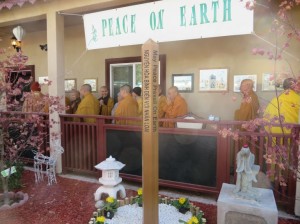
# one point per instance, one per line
(168, 20)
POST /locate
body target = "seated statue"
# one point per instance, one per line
(246, 173)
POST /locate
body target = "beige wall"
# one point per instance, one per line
(233, 53)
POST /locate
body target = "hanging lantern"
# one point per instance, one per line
(19, 33)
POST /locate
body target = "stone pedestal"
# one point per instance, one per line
(232, 209)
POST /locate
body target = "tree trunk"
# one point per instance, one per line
(2, 167)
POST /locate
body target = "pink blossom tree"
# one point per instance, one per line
(286, 34)
(19, 132)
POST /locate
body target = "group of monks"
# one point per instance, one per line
(130, 104)
(283, 108)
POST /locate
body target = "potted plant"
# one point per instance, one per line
(182, 204)
(110, 207)
(100, 220)
(198, 219)
(139, 197)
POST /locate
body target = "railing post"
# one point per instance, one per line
(223, 158)
(101, 140)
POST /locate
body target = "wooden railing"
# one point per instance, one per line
(197, 160)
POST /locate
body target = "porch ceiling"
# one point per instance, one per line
(37, 25)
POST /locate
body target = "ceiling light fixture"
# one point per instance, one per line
(15, 43)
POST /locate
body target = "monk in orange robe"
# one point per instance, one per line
(162, 102)
(176, 106)
(250, 104)
(127, 107)
(136, 94)
(249, 107)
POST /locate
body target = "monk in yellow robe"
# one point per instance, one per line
(162, 102)
(285, 107)
(250, 104)
(89, 105)
(176, 106)
(105, 101)
(127, 107)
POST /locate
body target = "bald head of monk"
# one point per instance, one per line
(246, 87)
(172, 93)
(85, 89)
(125, 90)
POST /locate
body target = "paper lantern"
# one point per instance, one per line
(19, 33)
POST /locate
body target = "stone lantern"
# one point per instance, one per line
(110, 180)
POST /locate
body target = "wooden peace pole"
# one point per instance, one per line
(150, 64)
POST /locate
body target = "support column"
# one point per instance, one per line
(56, 70)
(150, 60)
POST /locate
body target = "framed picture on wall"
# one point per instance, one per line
(43, 80)
(213, 80)
(184, 82)
(92, 82)
(269, 82)
(237, 79)
(70, 84)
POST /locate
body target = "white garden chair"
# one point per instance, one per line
(49, 162)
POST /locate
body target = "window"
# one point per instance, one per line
(121, 71)
(121, 74)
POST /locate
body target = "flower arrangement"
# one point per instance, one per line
(110, 207)
(100, 220)
(182, 204)
(198, 219)
(196, 216)
(139, 198)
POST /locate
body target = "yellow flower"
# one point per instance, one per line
(181, 201)
(100, 219)
(110, 199)
(140, 191)
(195, 220)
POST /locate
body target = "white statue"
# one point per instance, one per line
(246, 173)
(110, 180)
